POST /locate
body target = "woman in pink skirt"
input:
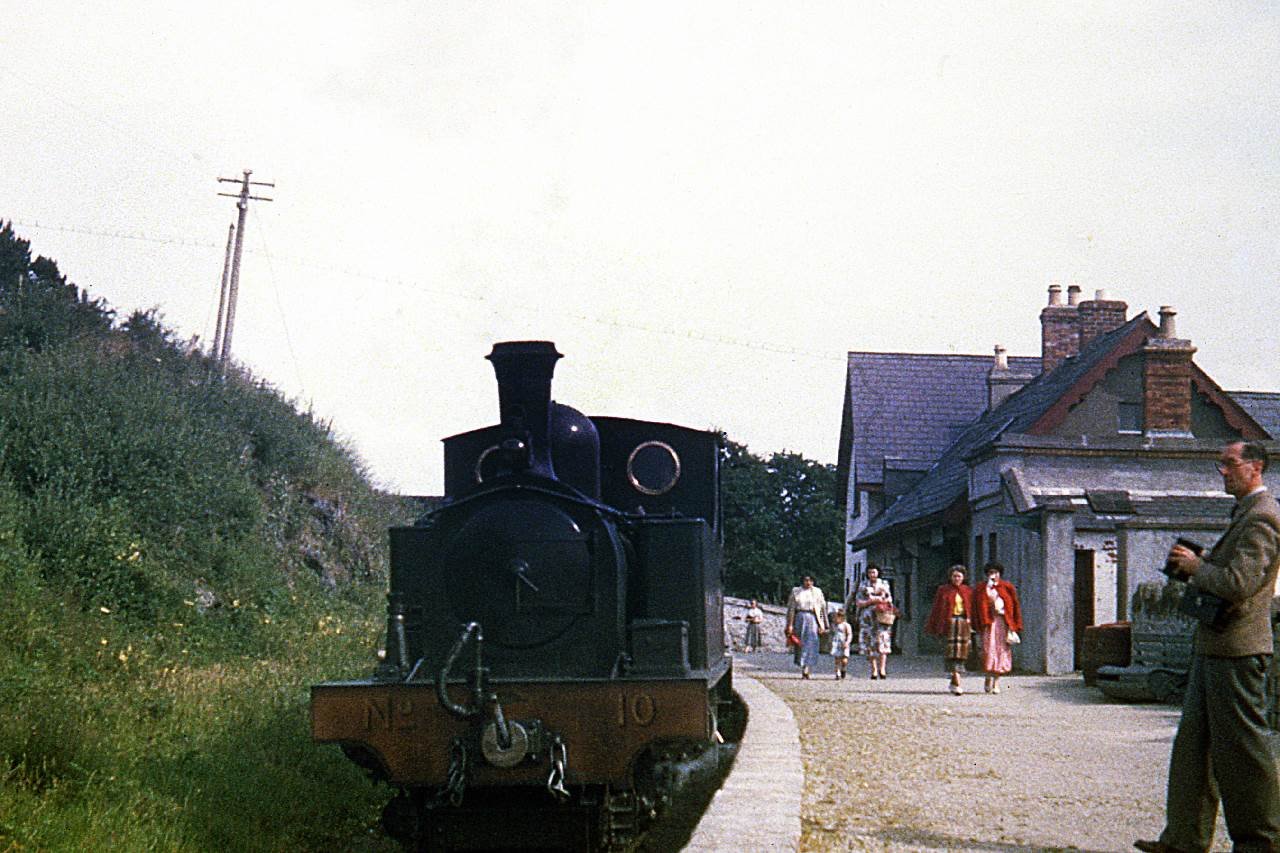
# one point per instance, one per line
(996, 613)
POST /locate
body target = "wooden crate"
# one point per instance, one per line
(1104, 645)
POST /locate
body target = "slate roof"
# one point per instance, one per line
(1164, 506)
(948, 479)
(1182, 506)
(911, 406)
(1262, 406)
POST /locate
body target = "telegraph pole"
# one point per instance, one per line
(242, 204)
(222, 294)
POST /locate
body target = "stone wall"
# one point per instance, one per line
(772, 630)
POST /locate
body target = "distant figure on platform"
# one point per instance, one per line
(1220, 750)
(951, 619)
(841, 641)
(755, 617)
(807, 619)
(997, 616)
(875, 631)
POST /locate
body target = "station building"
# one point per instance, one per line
(1075, 469)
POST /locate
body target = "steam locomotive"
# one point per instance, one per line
(555, 664)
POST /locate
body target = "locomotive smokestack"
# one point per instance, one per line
(524, 370)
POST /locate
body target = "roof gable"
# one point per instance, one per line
(1079, 378)
(1040, 406)
(948, 479)
(1237, 415)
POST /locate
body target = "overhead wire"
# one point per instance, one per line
(412, 286)
(186, 159)
(420, 288)
(275, 287)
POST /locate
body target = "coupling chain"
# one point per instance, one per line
(555, 779)
(456, 784)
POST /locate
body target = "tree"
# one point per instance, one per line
(39, 308)
(781, 521)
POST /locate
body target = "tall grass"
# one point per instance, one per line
(181, 556)
(115, 740)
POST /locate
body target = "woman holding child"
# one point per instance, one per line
(875, 633)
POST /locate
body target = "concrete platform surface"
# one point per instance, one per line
(758, 808)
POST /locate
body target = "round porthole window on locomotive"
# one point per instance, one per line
(653, 468)
(486, 464)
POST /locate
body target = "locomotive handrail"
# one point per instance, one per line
(579, 499)
(462, 712)
(481, 698)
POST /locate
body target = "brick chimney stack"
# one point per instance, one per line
(1059, 328)
(1003, 381)
(1166, 380)
(1099, 316)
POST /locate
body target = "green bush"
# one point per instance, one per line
(182, 554)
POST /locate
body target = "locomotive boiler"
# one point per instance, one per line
(555, 664)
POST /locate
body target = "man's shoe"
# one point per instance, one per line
(1156, 847)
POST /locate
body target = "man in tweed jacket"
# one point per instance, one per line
(1221, 746)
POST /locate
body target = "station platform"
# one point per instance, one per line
(758, 807)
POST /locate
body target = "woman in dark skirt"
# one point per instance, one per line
(755, 616)
(950, 619)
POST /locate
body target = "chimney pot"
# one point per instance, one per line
(1101, 295)
(1002, 358)
(1073, 294)
(1168, 325)
(1055, 294)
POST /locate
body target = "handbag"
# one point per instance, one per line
(792, 639)
(885, 613)
(1014, 639)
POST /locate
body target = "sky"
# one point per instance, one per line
(705, 205)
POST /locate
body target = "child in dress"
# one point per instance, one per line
(841, 639)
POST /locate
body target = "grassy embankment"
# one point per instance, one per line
(180, 557)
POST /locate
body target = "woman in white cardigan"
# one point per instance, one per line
(807, 619)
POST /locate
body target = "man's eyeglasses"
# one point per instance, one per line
(1225, 465)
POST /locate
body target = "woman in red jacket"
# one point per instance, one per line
(950, 618)
(996, 616)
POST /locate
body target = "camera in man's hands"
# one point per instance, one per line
(1205, 607)
(1172, 571)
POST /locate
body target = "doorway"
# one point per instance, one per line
(1083, 599)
